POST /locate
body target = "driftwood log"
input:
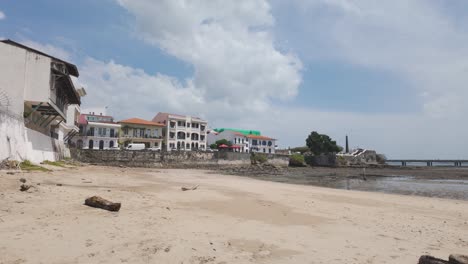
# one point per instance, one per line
(458, 259)
(453, 259)
(102, 203)
(189, 188)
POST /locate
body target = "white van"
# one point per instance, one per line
(135, 146)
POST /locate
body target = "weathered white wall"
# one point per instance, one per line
(20, 143)
(37, 78)
(12, 68)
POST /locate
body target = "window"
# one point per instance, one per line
(111, 132)
(254, 142)
(142, 132)
(264, 143)
(188, 124)
(264, 150)
(125, 130)
(269, 150)
(187, 146)
(270, 143)
(155, 132)
(135, 132)
(100, 131)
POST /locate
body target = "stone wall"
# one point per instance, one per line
(175, 159)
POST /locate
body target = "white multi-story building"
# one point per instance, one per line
(244, 141)
(36, 92)
(97, 132)
(183, 132)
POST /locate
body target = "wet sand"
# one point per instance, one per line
(228, 219)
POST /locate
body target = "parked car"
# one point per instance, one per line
(135, 146)
(154, 149)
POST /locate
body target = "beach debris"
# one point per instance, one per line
(99, 202)
(453, 259)
(10, 173)
(431, 260)
(23, 180)
(189, 188)
(458, 259)
(25, 187)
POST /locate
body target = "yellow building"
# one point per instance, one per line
(136, 130)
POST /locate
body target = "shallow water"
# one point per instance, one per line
(441, 188)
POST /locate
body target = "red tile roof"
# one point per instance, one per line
(259, 137)
(139, 121)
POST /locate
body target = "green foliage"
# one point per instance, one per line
(296, 160)
(301, 150)
(321, 144)
(213, 146)
(28, 166)
(258, 158)
(223, 141)
(54, 163)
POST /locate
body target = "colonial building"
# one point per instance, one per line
(183, 132)
(97, 132)
(136, 130)
(244, 140)
(36, 91)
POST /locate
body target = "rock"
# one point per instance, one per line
(59, 184)
(458, 259)
(102, 203)
(24, 187)
(23, 180)
(10, 173)
(431, 260)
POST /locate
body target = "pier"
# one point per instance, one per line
(430, 163)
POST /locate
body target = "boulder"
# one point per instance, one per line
(431, 260)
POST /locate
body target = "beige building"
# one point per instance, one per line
(136, 130)
(183, 132)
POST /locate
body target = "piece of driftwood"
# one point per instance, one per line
(189, 188)
(99, 202)
(458, 259)
(431, 260)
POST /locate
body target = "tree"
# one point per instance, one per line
(223, 142)
(321, 144)
(213, 146)
(301, 150)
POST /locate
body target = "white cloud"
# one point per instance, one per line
(2, 15)
(228, 43)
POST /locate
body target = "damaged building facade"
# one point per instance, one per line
(39, 105)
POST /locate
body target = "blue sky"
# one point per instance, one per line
(286, 68)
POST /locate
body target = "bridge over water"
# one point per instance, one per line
(404, 162)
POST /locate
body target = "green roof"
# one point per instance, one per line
(243, 131)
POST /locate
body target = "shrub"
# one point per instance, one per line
(28, 166)
(296, 160)
(258, 158)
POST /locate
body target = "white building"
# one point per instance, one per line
(244, 141)
(183, 132)
(97, 132)
(35, 93)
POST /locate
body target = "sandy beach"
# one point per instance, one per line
(228, 219)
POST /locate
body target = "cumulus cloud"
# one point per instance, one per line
(228, 43)
(2, 15)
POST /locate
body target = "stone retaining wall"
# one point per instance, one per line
(174, 159)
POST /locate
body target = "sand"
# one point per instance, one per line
(228, 219)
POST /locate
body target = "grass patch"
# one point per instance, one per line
(28, 166)
(54, 163)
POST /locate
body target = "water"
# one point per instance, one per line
(441, 188)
